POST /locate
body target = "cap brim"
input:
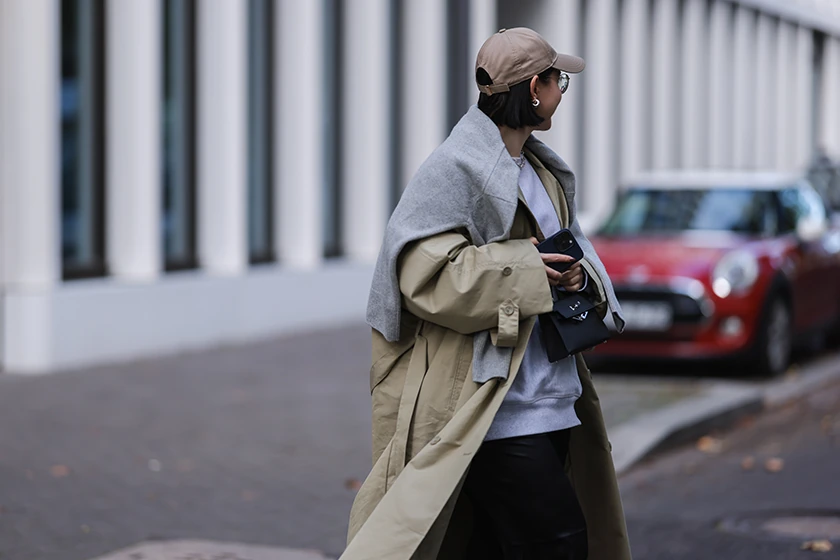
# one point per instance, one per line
(569, 63)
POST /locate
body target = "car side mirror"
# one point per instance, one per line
(810, 229)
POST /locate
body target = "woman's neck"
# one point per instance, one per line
(514, 138)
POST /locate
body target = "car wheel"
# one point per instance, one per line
(775, 342)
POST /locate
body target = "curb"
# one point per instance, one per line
(718, 407)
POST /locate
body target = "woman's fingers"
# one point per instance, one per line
(554, 277)
(556, 258)
(572, 279)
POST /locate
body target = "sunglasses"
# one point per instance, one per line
(563, 82)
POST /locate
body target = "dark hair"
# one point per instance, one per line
(512, 108)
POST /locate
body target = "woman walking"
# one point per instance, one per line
(482, 448)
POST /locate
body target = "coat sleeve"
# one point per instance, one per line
(448, 281)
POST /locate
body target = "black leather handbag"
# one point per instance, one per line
(572, 326)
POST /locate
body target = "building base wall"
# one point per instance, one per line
(93, 322)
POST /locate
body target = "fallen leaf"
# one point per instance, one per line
(817, 546)
(708, 444)
(85, 529)
(59, 471)
(748, 463)
(774, 465)
(353, 484)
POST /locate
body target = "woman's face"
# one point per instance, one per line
(549, 96)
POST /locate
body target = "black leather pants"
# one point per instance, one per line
(524, 506)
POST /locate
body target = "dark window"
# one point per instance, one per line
(82, 138)
(179, 137)
(260, 138)
(396, 129)
(458, 46)
(331, 217)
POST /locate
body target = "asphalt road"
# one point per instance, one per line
(692, 504)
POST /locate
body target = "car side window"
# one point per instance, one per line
(797, 203)
(791, 209)
(813, 203)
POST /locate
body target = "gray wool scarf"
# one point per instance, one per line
(470, 182)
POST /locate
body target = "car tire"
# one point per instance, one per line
(774, 345)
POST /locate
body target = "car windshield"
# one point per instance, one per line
(656, 211)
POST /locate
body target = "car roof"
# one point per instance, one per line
(680, 179)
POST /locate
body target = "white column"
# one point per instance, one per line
(482, 25)
(29, 180)
(424, 79)
(829, 121)
(222, 118)
(600, 128)
(634, 95)
(695, 79)
(802, 106)
(784, 114)
(300, 131)
(366, 133)
(665, 79)
(133, 182)
(764, 100)
(720, 87)
(743, 135)
(559, 22)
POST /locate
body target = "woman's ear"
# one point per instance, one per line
(534, 81)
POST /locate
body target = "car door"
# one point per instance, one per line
(814, 273)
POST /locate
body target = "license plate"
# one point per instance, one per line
(647, 316)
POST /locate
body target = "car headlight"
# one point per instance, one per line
(736, 271)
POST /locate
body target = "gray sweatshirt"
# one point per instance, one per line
(542, 397)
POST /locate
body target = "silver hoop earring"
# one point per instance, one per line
(535, 102)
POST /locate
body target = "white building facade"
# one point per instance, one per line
(176, 174)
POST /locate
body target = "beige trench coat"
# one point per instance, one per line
(429, 417)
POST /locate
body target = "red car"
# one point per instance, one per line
(721, 265)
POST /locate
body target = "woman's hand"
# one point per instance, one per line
(571, 280)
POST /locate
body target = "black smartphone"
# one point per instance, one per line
(562, 242)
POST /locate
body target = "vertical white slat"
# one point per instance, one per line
(366, 139)
(559, 22)
(665, 82)
(829, 121)
(299, 156)
(29, 180)
(695, 79)
(133, 172)
(635, 71)
(743, 135)
(222, 118)
(600, 124)
(786, 97)
(803, 108)
(483, 23)
(720, 87)
(764, 100)
(424, 82)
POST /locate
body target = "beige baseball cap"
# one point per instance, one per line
(514, 55)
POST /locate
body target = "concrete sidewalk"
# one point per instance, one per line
(265, 444)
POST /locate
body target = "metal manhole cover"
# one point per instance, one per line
(787, 525)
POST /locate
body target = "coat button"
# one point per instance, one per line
(508, 309)
(507, 271)
(435, 440)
